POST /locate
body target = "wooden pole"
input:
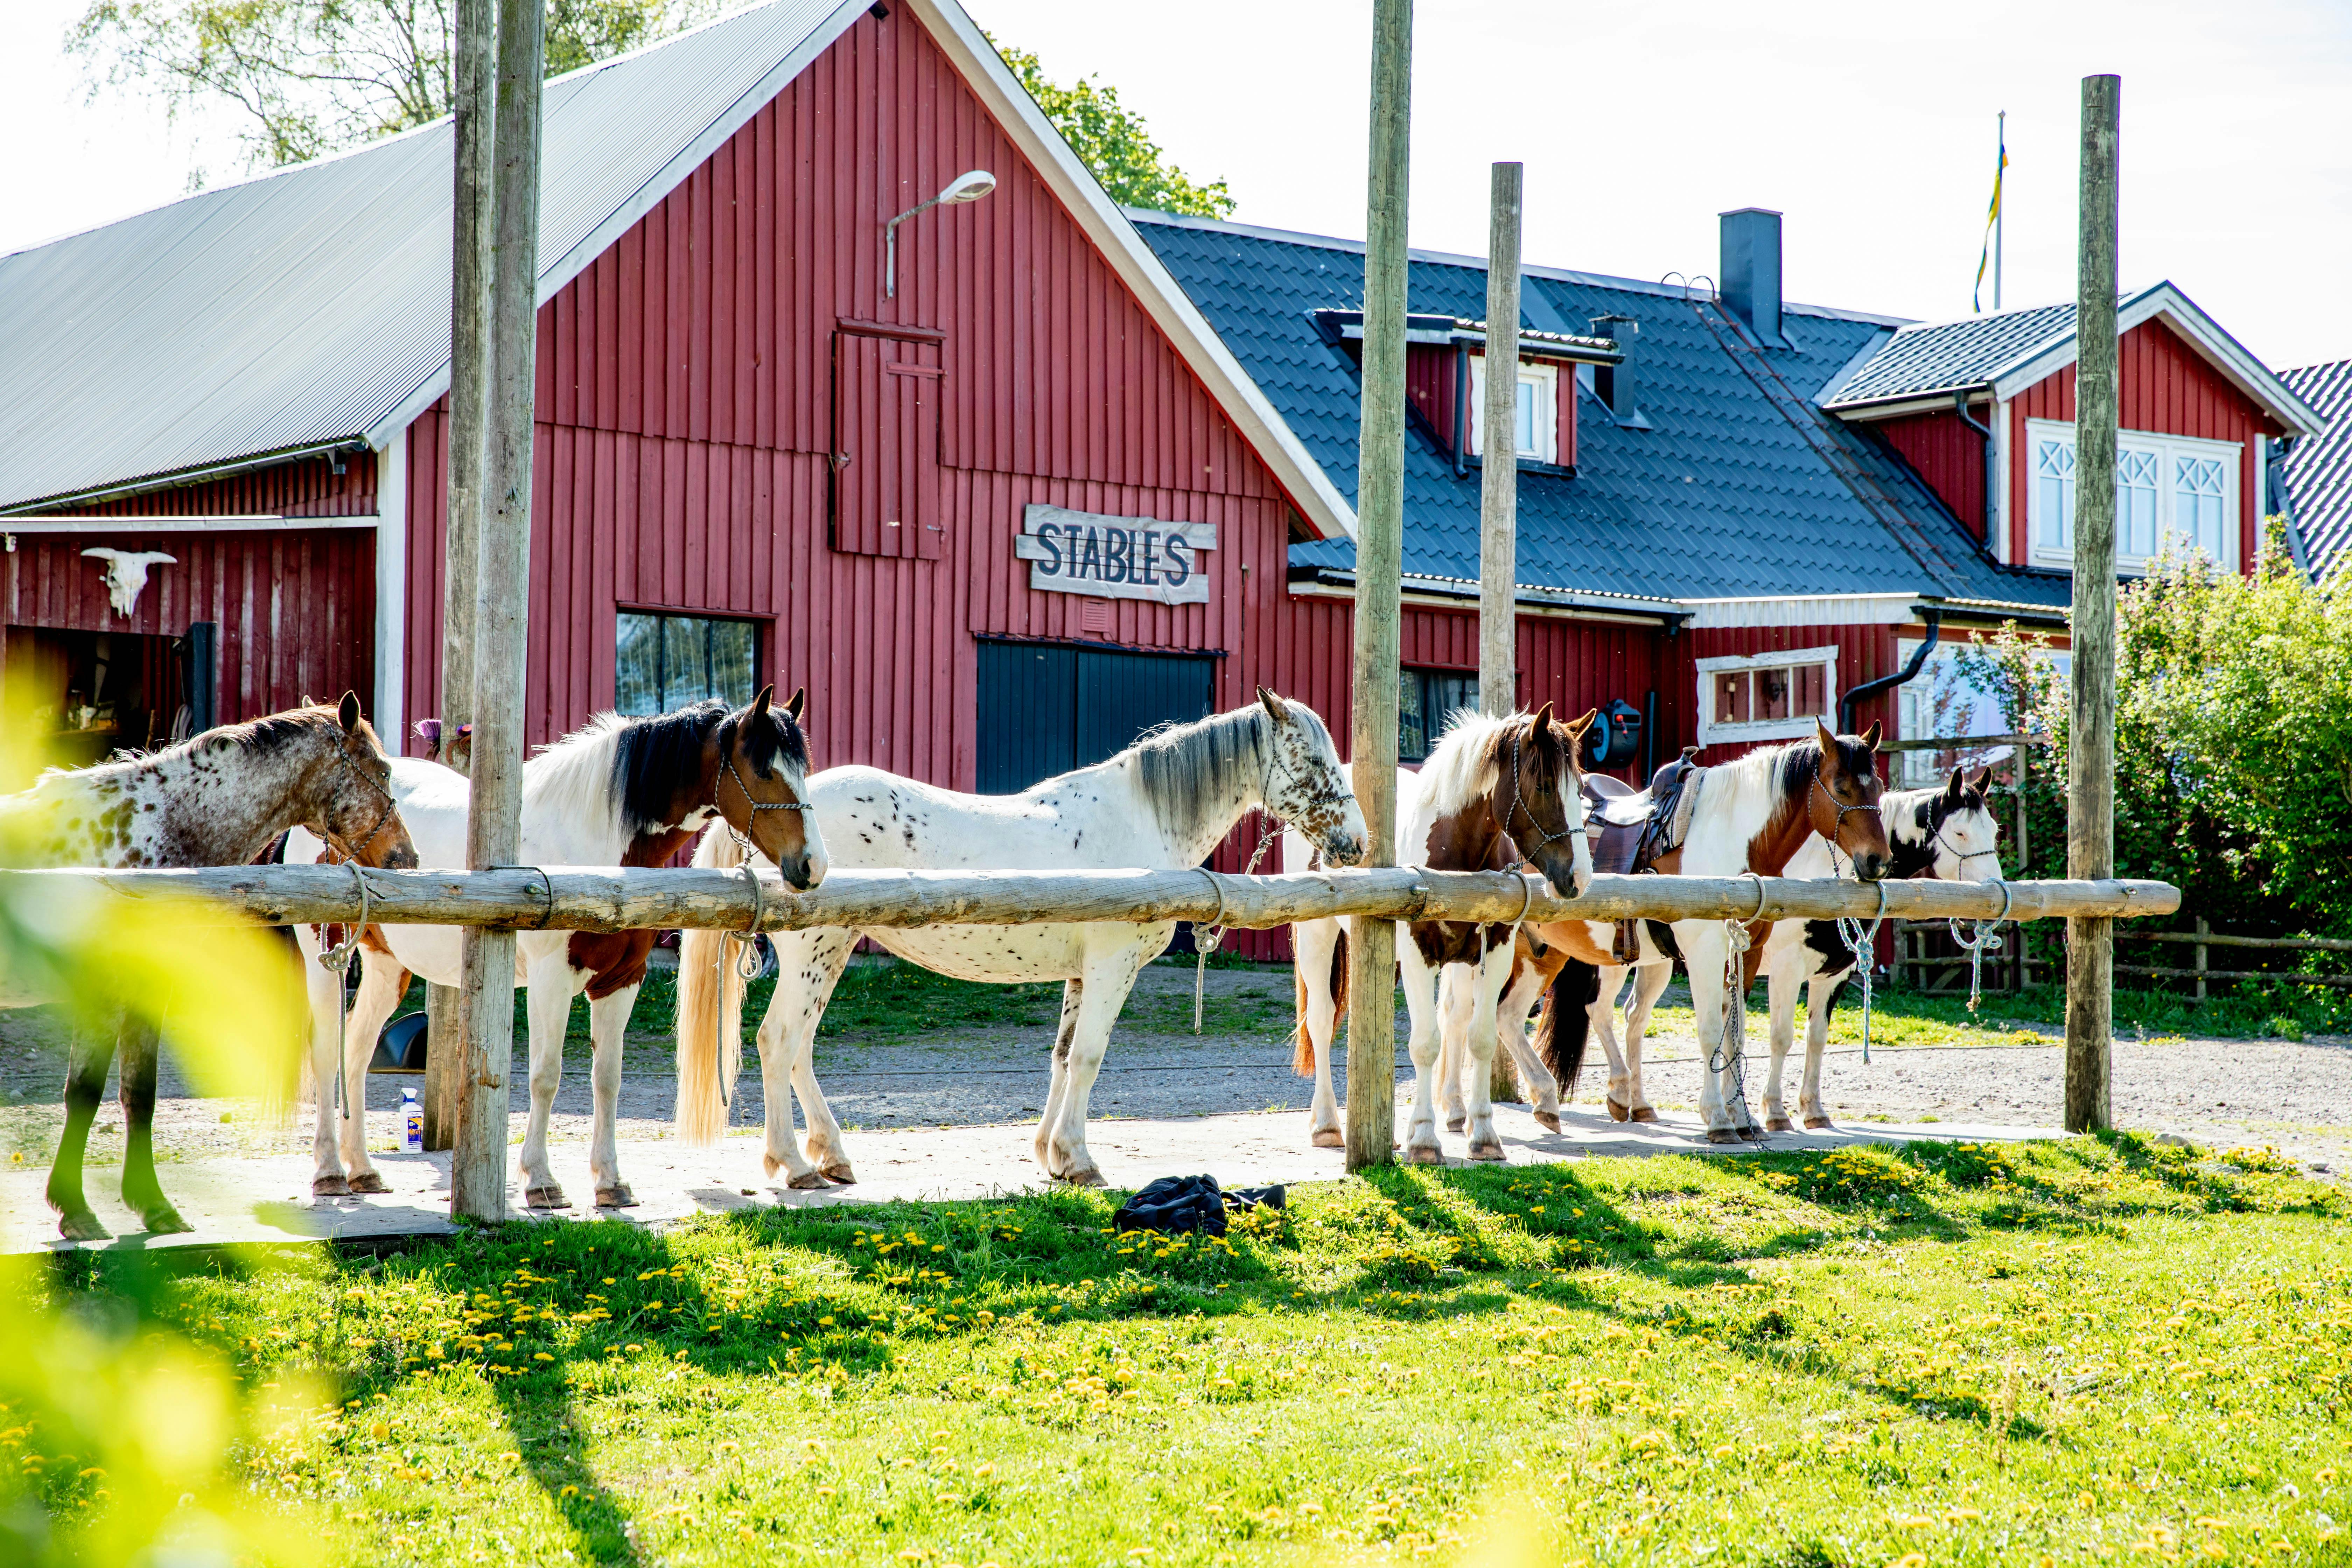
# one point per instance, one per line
(1498, 489)
(606, 898)
(469, 288)
(477, 1180)
(1380, 553)
(2091, 739)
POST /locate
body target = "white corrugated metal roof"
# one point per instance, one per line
(311, 305)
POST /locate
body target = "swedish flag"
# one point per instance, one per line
(1992, 218)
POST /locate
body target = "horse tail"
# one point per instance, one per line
(1567, 1026)
(709, 1013)
(1302, 1056)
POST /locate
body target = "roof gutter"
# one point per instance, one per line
(1991, 472)
(1870, 688)
(342, 446)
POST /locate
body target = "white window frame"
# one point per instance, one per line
(1543, 382)
(1712, 732)
(2168, 452)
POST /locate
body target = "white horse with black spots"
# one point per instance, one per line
(1166, 802)
(617, 791)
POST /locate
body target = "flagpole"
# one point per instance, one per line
(2000, 213)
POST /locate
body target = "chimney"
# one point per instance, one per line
(1751, 272)
(1613, 384)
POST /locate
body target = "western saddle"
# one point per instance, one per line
(1635, 831)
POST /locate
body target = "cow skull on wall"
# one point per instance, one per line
(126, 574)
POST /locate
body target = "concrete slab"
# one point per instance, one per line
(267, 1199)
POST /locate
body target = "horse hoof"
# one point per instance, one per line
(1750, 1133)
(1722, 1135)
(1819, 1125)
(1645, 1114)
(1456, 1123)
(1089, 1177)
(1548, 1121)
(1619, 1112)
(81, 1226)
(840, 1172)
(809, 1182)
(1328, 1138)
(550, 1196)
(1425, 1156)
(1488, 1152)
(368, 1182)
(618, 1197)
(1780, 1124)
(163, 1219)
(330, 1187)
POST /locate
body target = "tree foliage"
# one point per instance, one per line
(308, 77)
(2234, 740)
(1113, 143)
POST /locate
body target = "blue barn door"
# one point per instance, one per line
(1045, 709)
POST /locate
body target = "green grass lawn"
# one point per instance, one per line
(2054, 1354)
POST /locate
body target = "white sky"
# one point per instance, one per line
(1870, 125)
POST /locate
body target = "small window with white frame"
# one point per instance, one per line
(1766, 696)
(2171, 491)
(1538, 410)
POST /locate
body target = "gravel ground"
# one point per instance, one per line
(2292, 1095)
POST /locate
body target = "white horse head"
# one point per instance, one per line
(126, 574)
(1306, 784)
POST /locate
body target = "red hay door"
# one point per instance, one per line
(885, 465)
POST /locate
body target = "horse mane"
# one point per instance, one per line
(1467, 761)
(1189, 771)
(631, 766)
(260, 737)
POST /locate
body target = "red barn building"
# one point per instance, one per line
(1054, 473)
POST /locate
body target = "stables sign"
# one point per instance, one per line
(1116, 557)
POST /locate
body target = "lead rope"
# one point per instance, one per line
(1987, 935)
(1205, 945)
(337, 961)
(1730, 1053)
(1862, 942)
(745, 945)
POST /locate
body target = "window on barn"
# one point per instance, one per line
(663, 663)
(1425, 699)
(1766, 696)
(2173, 494)
(1538, 410)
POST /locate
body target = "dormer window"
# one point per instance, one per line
(1539, 406)
(2171, 493)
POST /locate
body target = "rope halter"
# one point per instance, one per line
(1518, 804)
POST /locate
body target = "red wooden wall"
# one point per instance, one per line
(296, 606)
(2165, 387)
(1948, 456)
(686, 403)
(309, 488)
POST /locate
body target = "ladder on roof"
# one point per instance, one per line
(1829, 445)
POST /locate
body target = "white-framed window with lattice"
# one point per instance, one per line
(2174, 492)
(1767, 696)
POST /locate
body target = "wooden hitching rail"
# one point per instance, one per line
(590, 899)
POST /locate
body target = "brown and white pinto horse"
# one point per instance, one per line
(1493, 793)
(217, 799)
(618, 791)
(1755, 813)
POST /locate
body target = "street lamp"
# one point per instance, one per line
(965, 188)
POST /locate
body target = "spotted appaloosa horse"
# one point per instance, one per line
(217, 799)
(618, 791)
(1753, 814)
(1492, 792)
(1167, 801)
